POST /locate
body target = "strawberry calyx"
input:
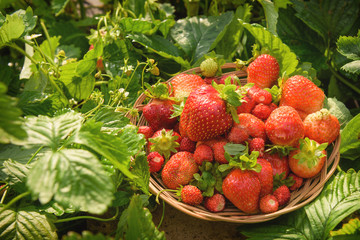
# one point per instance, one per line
(231, 95)
(209, 180)
(310, 152)
(178, 108)
(282, 151)
(159, 91)
(279, 180)
(164, 144)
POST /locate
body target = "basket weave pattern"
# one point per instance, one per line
(310, 189)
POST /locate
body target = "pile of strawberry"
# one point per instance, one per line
(213, 141)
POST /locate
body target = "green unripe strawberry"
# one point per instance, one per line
(209, 67)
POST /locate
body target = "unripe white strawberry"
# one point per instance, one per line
(209, 67)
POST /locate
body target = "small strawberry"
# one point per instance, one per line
(215, 203)
(146, 131)
(280, 164)
(165, 142)
(263, 71)
(191, 195)
(187, 145)
(203, 153)
(262, 96)
(308, 159)
(269, 204)
(298, 181)
(219, 151)
(246, 106)
(248, 126)
(155, 161)
(205, 115)
(322, 126)
(158, 111)
(261, 111)
(257, 144)
(282, 194)
(179, 170)
(302, 94)
(265, 176)
(183, 84)
(209, 67)
(284, 126)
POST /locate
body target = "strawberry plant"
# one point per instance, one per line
(71, 72)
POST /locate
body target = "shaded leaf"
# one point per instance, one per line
(349, 47)
(350, 139)
(339, 110)
(352, 67)
(271, 15)
(140, 168)
(73, 177)
(12, 28)
(58, 6)
(16, 174)
(86, 235)
(349, 228)
(25, 223)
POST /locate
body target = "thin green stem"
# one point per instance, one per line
(89, 217)
(37, 48)
(98, 83)
(162, 216)
(47, 37)
(5, 188)
(343, 80)
(82, 9)
(22, 51)
(33, 156)
(14, 200)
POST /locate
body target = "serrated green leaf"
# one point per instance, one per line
(352, 67)
(51, 132)
(136, 222)
(329, 19)
(48, 48)
(339, 110)
(111, 120)
(58, 6)
(197, 36)
(134, 142)
(73, 177)
(144, 26)
(12, 28)
(350, 142)
(349, 228)
(339, 198)
(16, 174)
(161, 46)
(286, 58)
(271, 15)
(140, 168)
(11, 123)
(111, 147)
(28, 18)
(25, 223)
(54, 208)
(349, 47)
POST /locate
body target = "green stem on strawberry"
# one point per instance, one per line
(310, 152)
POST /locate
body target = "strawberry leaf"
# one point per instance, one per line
(159, 91)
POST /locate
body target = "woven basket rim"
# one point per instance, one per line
(310, 189)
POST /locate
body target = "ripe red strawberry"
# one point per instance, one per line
(302, 94)
(155, 161)
(261, 111)
(263, 71)
(191, 195)
(165, 142)
(265, 176)
(269, 204)
(282, 194)
(203, 153)
(187, 145)
(284, 126)
(211, 142)
(249, 126)
(146, 130)
(242, 188)
(279, 164)
(219, 151)
(215, 203)
(246, 106)
(204, 115)
(257, 144)
(209, 80)
(158, 114)
(262, 96)
(308, 159)
(209, 67)
(183, 84)
(179, 170)
(322, 126)
(298, 181)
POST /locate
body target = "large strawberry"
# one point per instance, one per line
(284, 126)
(205, 115)
(179, 170)
(322, 126)
(158, 111)
(263, 71)
(308, 159)
(302, 94)
(183, 84)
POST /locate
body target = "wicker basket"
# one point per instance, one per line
(310, 189)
